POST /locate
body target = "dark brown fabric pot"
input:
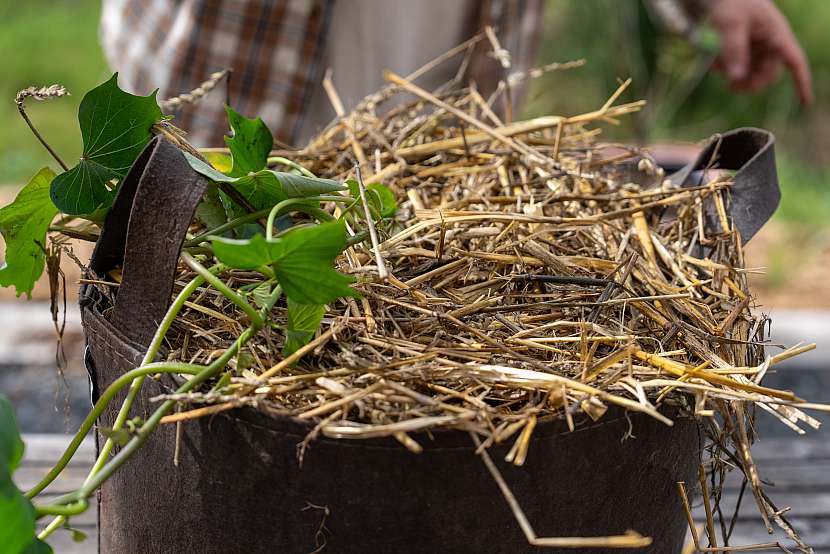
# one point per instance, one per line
(238, 486)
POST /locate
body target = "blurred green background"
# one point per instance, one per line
(45, 42)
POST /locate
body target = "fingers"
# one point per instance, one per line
(755, 41)
(795, 60)
(764, 71)
(735, 50)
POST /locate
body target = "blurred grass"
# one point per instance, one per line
(804, 214)
(805, 193)
(44, 42)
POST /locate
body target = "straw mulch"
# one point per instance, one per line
(530, 272)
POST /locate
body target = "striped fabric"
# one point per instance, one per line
(274, 48)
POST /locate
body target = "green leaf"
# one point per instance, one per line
(24, 224)
(277, 185)
(207, 170)
(77, 535)
(219, 160)
(210, 210)
(381, 199)
(83, 189)
(231, 209)
(387, 205)
(37, 546)
(264, 189)
(11, 445)
(304, 268)
(303, 322)
(246, 254)
(234, 211)
(17, 516)
(261, 189)
(115, 127)
(299, 186)
(302, 260)
(261, 294)
(250, 143)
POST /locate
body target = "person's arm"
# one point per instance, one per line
(756, 41)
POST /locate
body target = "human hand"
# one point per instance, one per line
(756, 40)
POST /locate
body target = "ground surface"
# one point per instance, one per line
(795, 264)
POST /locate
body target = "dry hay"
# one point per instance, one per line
(530, 273)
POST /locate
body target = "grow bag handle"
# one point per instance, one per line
(754, 194)
(143, 233)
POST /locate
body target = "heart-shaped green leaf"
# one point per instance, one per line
(24, 224)
(303, 321)
(302, 261)
(250, 143)
(84, 188)
(261, 294)
(115, 127)
(304, 268)
(17, 515)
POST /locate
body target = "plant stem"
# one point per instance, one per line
(149, 356)
(290, 163)
(22, 109)
(267, 271)
(103, 401)
(74, 233)
(200, 374)
(64, 510)
(357, 238)
(135, 386)
(144, 432)
(280, 206)
(152, 422)
(334, 198)
(219, 285)
(248, 218)
(53, 525)
(321, 215)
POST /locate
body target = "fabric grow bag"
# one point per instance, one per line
(238, 486)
